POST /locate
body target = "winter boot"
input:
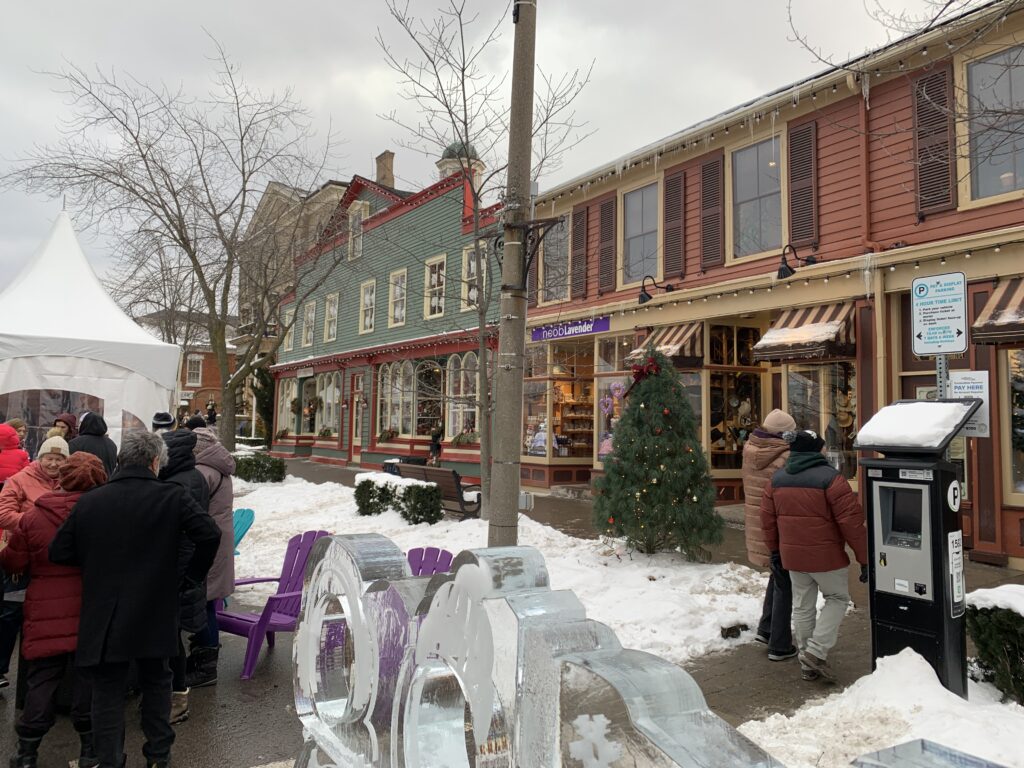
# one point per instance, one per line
(809, 661)
(157, 763)
(28, 752)
(179, 706)
(203, 663)
(87, 755)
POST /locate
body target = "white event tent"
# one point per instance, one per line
(61, 332)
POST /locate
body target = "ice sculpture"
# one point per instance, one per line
(483, 667)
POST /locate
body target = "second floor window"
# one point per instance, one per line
(555, 263)
(331, 318)
(995, 87)
(356, 214)
(396, 299)
(308, 321)
(640, 234)
(289, 335)
(470, 291)
(194, 375)
(757, 199)
(433, 300)
(367, 305)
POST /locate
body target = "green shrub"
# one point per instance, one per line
(421, 504)
(415, 503)
(260, 468)
(998, 634)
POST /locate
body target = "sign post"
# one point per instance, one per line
(939, 310)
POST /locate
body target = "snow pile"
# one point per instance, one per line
(813, 333)
(386, 478)
(657, 603)
(1008, 596)
(923, 424)
(900, 701)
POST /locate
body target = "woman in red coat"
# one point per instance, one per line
(52, 606)
(12, 458)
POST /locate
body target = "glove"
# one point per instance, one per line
(863, 574)
(776, 565)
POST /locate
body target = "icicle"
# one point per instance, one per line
(865, 89)
(868, 271)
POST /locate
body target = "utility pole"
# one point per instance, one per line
(503, 530)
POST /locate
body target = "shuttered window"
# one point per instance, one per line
(606, 261)
(935, 160)
(712, 207)
(672, 250)
(578, 268)
(803, 185)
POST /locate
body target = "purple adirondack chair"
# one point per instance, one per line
(426, 561)
(282, 609)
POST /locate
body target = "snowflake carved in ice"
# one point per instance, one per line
(593, 748)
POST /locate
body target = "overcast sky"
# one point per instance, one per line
(660, 65)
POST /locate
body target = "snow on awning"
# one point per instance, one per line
(805, 333)
(685, 340)
(1002, 319)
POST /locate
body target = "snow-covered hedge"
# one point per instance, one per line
(416, 501)
(995, 620)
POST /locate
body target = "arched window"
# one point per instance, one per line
(406, 396)
(319, 404)
(463, 379)
(384, 399)
(429, 393)
(336, 392)
(454, 395)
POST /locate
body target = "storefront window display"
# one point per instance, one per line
(1016, 398)
(429, 397)
(462, 393)
(823, 398)
(572, 403)
(610, 404)
(734, 393)
(535, 411)
(612, 352)
(536, 361)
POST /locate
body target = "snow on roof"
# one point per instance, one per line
(1008, 596)
(813, 333)
(912, 425)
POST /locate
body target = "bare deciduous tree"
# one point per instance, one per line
(177, 178)
(461, 104)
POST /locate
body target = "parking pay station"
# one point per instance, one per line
(912, 496)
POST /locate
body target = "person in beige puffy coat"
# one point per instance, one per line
(764, 453)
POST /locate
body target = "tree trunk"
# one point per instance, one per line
(226, 428)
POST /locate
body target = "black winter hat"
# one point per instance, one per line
(163, 420)
(195, 422)
(806, 442)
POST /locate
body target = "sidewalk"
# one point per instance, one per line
(741, 684)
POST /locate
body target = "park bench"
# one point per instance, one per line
(453, 492)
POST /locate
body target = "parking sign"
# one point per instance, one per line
(939, 305)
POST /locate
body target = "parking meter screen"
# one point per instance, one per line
(905, 510)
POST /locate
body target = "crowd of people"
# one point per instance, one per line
(110, 560)
(800, 515)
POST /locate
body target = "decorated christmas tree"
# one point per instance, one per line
(657, 492)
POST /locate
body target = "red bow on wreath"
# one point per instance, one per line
(642, 370)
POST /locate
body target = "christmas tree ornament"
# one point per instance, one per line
(666, 412)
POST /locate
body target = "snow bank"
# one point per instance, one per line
(901, 700)
(1008, 596)
(659, 603)
(911, 424)
(386, 478)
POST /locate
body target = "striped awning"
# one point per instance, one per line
(685, 340)
(808, 333)
(1002, 319)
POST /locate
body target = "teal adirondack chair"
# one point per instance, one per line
(243, 522)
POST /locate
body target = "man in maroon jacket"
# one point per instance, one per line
(809, 514)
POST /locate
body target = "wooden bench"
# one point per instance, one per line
(452, 490)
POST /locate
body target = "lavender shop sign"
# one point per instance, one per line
(573, 328)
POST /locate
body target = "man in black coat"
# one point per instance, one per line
(92, 438)
(124, 536)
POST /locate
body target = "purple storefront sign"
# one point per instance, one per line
(570, 329)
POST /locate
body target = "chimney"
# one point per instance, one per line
(386, 168)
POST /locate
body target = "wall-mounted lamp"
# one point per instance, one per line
(645, 296)
(786, 271)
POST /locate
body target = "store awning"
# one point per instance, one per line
(808, 333)
(685, 340)
(1002, 319)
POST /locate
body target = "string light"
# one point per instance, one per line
(917, 265)
(996, 249)
(892, 267)
(967, 255)
(942, 261)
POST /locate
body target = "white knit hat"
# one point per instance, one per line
(53, 445)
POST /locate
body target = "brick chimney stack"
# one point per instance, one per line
(386, 168)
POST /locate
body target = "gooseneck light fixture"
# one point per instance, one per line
(645, 296)
(786, 271)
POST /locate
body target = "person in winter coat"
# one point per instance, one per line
(92, 438)
(52, 605)
(764, 453)
(181, 470)
(809, 514)
(68, 424)
(17, 497)
(19, 426)
(12, 458)
(195, 422)
(124, 536)
(216, 466)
